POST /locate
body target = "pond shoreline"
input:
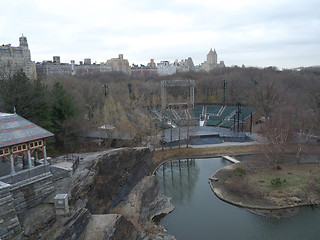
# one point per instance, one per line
(186, 182)
(162, 156)
(223, 184)
(257, 207)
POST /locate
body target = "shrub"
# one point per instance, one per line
(240, 172)
(275, 182)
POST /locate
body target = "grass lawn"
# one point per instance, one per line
(279, 186)
(291, 179)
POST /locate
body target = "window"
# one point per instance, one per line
(4, 152)
(35, 144)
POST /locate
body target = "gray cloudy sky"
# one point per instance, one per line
(282, 33)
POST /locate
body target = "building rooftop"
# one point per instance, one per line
(14, 129)
(5, 114)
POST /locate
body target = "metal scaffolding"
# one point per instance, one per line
(176, 83)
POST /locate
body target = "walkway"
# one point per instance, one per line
(231, 159)
(225, 144)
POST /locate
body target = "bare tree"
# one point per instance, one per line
(7, 70)
(267, 97)
(278, 132)
(306, 121)
(114, 119)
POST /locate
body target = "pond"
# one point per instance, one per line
(199, 214)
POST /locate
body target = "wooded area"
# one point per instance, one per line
(69, 106)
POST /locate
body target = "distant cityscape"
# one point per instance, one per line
(14, 58)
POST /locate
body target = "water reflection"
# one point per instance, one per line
(199, 214)
(177, 176)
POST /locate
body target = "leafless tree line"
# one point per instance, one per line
(289, 99)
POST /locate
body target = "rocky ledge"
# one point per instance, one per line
(119, 185)
(112, 195)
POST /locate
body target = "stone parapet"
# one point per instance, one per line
(25, 174)
(31, 192)
(60, 172)
(9, 223)
(19, 192)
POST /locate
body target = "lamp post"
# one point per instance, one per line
(106, 90)
(239, 107)
(224, 91)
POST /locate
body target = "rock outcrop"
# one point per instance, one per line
(47, 225)
(144, 203)
(109, 227)
(119, 183)
(112, 195)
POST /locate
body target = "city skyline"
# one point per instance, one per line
(283, 33)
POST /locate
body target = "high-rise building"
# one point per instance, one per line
(56, 59)
(87, 61)
(143, 71)
(184, 65)
(166, 68)
(119, 64)
(212, 61)
(15, 58)
(212, 57)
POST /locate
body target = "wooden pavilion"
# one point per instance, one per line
(20, 136)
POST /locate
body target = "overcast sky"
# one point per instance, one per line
(282, 33)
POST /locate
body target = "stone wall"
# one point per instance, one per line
(25, 174)
(20, 192)
(31, 192)
(60, 172)
(9, 223)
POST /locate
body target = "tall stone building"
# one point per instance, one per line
(166, 68)
(53, 68)
(16, 58)
(143, 71)
(212, 61)
(56, 68)
(119, 64)
(184, 65)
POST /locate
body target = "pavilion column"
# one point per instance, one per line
(36, 153)
(12, 164)
(29, 159)
(45, 154)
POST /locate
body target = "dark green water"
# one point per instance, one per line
(200, 215)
